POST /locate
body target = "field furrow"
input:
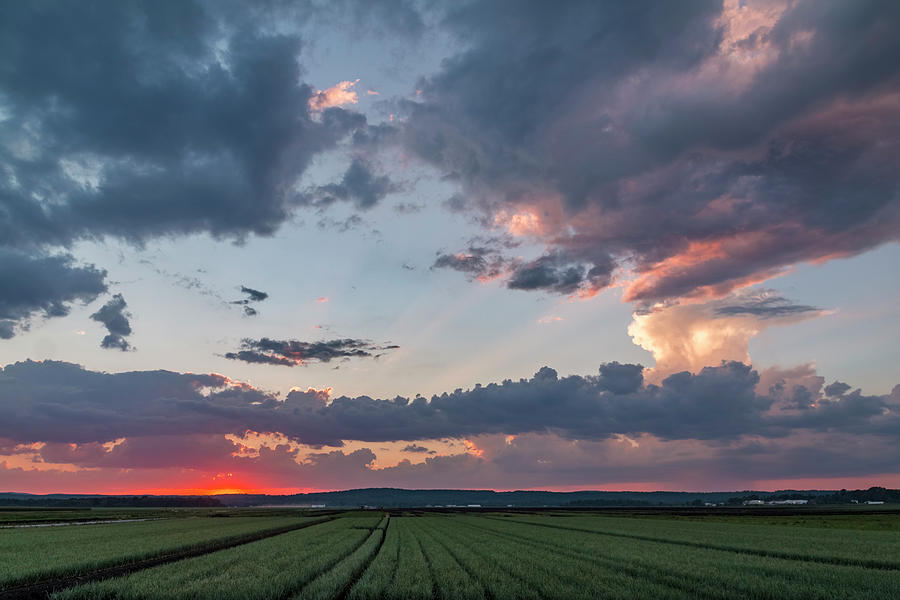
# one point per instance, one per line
(706, 572)
(451, 578)
(274, 568)
(557, 573)
(30, 556)
(337, 581)
(492, 556)
(861, 549)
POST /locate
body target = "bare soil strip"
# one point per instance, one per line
(43, 589)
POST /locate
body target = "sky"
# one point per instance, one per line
(297, 246)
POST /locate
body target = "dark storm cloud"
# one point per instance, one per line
(699, 153)
(768, 306)
(544, 273)
(34, 283)
(146, 119)
(358, 185)
(115, 318)
(156, 131)
(290, 353)
(61, 402)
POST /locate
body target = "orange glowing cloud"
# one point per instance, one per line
(542, 217)
(693, 335)
(472, 449)
(324, 394)
(339, 94)
(676, 275)
(322, 300)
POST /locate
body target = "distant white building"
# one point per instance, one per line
(787, 502)
(473, 506)
(874, 502)
(753, 502)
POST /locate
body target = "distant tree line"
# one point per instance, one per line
(873, 494)
(116, 502)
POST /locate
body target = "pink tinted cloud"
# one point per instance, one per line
(340, 94)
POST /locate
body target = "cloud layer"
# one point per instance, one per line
(723, 143)
(146, 130)
(61, 402)
(290, 353)
(36, 283)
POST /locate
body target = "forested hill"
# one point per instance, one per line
(399, 498)
(393, 497)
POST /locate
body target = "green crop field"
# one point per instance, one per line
(30, 554)
(494, 556)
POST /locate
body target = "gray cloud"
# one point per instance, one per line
(252, 296)
(358, 185)
(34, 283)
(836, 389)
(115, 318)
(178, 119)
(61, 402)
(484, 257)
(768, 306)
(785, 155)
(200, 141)
(476, 262)
(418, 449)
(291, 353)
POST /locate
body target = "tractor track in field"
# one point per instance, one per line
(40, 590)
(342, 595)
(488, 594)
(828, 560)
(485, 556)
(656, 574)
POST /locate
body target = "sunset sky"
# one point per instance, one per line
(296, 246)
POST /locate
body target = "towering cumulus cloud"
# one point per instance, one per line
(691, 336)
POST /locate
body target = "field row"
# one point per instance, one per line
(35, 554)
(504, 557)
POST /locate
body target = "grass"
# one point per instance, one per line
(540, 557)
(875, 522)
(278, 567)
(33, 554)
(864, 548)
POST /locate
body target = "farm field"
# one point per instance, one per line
(370, 555)
(36, 553)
